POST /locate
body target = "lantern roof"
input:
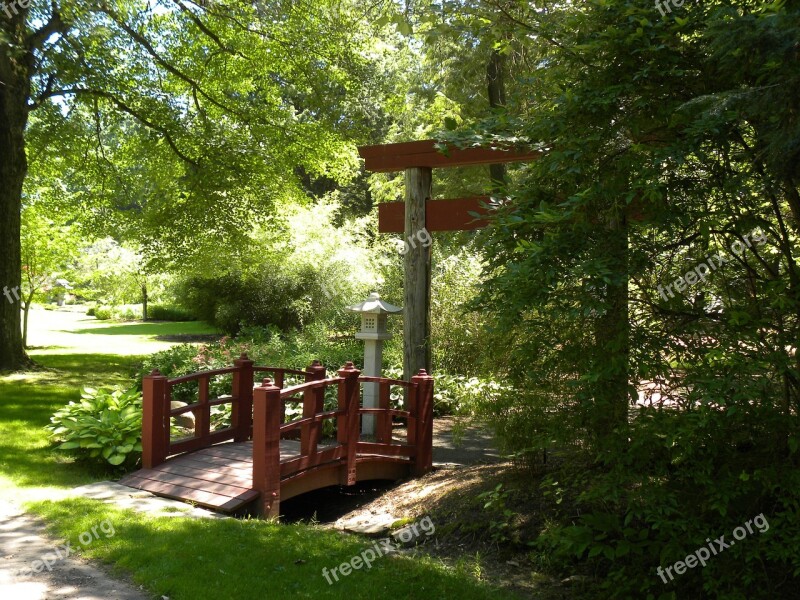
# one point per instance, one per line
(375, 306)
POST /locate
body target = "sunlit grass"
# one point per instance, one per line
(27, 400)
(187, 559)
(71, 351)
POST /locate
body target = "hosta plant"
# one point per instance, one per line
(105, 425)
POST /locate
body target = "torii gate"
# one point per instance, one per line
(419, 212)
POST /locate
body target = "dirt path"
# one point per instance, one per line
(24, 546)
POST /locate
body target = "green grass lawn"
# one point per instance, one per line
(73, 351)
(190, 559)
(175, 557)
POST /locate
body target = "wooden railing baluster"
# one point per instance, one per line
(350, 396)
(384, 431)
(313, 403)
(202, 414)
(267, 447)
(155, 420)
(279, 374)
(242, 391)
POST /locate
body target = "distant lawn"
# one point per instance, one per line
(150, 329)
(191, 559)
(73, 351)
(27, 400)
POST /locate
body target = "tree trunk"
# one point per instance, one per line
(15, 69)
(417, 282)
(612, 341)
(144, 301)
(26, 309)
(496, 85)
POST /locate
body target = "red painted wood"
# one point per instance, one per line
(290, 467)
(411, 421)
(385, 449)
(370, 378)
(398, 157)
(267, 407)
(200, 375)
(192, 444)
(155, 420)
(383, 432)
(313, 404)
(440, 215)
(202, 415)
(424, 429)
(242, 412)
(224, 476)
(350, 392)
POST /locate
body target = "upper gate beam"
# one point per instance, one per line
(385, 158)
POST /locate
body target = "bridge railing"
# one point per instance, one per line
(269, 399)
(158, 412)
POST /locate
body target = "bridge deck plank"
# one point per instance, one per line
(219, 477)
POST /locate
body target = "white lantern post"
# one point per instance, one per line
(373, 331)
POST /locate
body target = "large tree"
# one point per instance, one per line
(228, 99)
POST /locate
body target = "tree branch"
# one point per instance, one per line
(54, 25)
(124, 107)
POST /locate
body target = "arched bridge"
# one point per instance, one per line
(255, 455)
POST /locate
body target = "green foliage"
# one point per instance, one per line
(105, 425)
(666, 139)
(231, 302)
(103, 313)
(494, 502)
(161, 312)
(684, 478)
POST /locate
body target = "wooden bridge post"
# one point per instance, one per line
(267, 405)
(313, 403)
(349, 431)
(155, 420)
(423, 441)
(242, 412)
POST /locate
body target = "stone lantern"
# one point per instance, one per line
(373, 313)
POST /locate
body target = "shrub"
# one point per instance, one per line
(686, 477)
(159, 312)
(90, 312)
(105, 426)
(127, 312)
(102, 313)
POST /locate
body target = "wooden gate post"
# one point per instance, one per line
(417, 281)
(267, 448)
(423, 461)
(242, 412)
(313, 403)
(155, 420)
(350, 401)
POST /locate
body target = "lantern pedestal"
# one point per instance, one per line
(373, 331)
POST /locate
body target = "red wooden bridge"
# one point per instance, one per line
(259, 458)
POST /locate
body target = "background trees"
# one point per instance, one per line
(223, 99)
(659, 156)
